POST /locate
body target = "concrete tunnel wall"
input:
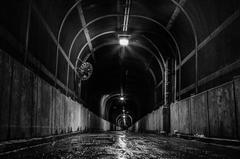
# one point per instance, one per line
(152, 122)
(213, 113)
(30, 107)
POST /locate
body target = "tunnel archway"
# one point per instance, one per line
(128, 77)
(177, 49)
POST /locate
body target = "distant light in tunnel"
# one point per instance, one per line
(123, 41)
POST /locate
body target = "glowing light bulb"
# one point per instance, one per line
(123, 41)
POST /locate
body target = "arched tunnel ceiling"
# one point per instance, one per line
(157, 28)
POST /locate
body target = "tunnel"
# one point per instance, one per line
(119, 79)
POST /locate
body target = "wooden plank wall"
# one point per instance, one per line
(213, 113)
(30, 107)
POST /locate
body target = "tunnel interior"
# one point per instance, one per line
(177, 49)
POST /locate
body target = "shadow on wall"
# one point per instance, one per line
(30, 107)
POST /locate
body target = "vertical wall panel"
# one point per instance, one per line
(53, 111)
(35, 107)
(237, 100)
(77, 116)
(184, 120)
(43, 108)
(213, 113)
(21, 102)
(58, 102)
(5, 91)
(222, 112)
(30, 107)
(174, 117)
(62, 114)
(66, 107)
(16, 104)
(226, 106)
(70, 117)
(199, 114)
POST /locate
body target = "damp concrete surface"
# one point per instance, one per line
(125, 145)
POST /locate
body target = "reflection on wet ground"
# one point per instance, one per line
(124, 145)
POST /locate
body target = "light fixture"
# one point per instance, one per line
(122, 98)
(123, 41)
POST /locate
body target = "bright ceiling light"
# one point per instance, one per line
(123, 41)
(122, 98)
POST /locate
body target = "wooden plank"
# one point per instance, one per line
(199, 114)
(174, 126)
(237, 100)
(222, 112)
(21, 102)
(43, 108)
(184, 120)
(5, 93)
(53, 111)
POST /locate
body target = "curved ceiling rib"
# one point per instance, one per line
(134, 44)
(59, 34)
(162, 67)
(112, 43)
(114, 15)
(195, 40)
(137, 45)
(133, 35)
(137, 16)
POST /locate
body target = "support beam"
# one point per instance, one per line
(159, 84)
(214, 34)
(86, 32)
(215, 75)
(87, 36)
(126, 15)
(53, 37)
(27, 30)
(113, 32)
(175, 14)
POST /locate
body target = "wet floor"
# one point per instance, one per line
(124, 145)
